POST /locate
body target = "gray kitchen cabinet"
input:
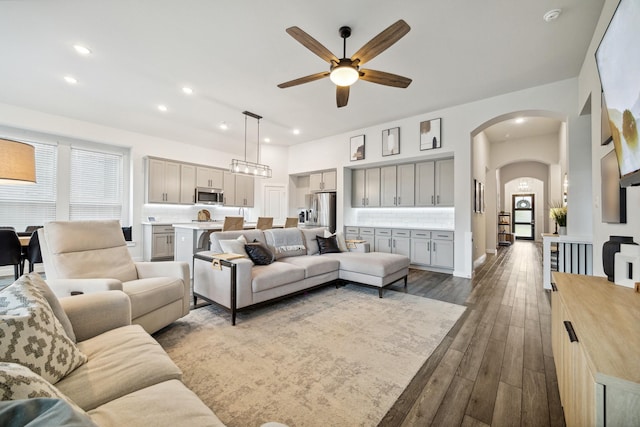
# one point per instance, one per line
(229, 189)
(163, 181)
(425, 184)
(158, 242)
(209, 177)
(323, 181)
(244, 191)
(397, 185)
(434, 183)
(187, 184)
(365, 188)
(444, 177)
(383, 240)
(393, 241)
(432, 248)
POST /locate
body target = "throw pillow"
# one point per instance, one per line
(328, 245)
(19, 382)
(342, 244)
(42, 412)
(235, 246)
(259, 253)
(31, 335)
(54, 303)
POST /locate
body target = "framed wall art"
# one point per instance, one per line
(430, 134)
(391, 141)
(357, 148)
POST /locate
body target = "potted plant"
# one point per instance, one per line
(558, 213)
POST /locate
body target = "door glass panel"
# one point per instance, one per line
(523, 216)
(523, 230)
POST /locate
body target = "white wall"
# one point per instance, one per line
(481, 154)
(459, 123)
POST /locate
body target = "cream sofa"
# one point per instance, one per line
(127, 380)
(74, 251)
(242, 285)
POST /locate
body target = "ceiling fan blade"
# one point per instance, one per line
(342, 95)
(312, 44)
(383, 78)
(306, 79)
(381, 42)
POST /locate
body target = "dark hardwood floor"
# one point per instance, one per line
(495, 367)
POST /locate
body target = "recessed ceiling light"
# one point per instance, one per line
(162, 108)
(82, 50)
(296, 131)
(520, 120)
(70, 80)
(224, 126)
(267, 140)
(187, 90)
(552, 15)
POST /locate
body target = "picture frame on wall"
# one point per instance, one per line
(430, 134)
(357, 144)
(482, 204)
(391, 141)
(475, 195)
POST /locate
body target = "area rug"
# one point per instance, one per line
(332, 357)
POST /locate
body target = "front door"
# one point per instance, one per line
(523, 216)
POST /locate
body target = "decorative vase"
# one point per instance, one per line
(562, 230)
(609, 250)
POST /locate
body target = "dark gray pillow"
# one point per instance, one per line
(259, 253)
(328, 245)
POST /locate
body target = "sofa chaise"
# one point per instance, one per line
(106, 371)
(239, 284)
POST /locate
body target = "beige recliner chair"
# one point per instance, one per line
(92, 256)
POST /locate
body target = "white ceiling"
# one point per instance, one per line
(512, 130)
(233, 53)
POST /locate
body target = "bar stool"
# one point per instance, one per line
(233, 223)
(264, 222)
(291, 222)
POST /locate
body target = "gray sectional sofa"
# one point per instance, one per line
(239, 284)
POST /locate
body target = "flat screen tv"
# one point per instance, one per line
(618, 61)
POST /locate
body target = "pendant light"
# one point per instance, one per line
(244, 167)
(18, 165)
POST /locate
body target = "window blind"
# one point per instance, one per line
(96, 185)
(32, 204)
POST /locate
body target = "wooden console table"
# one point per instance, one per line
(596, 348)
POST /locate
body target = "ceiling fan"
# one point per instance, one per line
(346, 71)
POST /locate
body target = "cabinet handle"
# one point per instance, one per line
(394, 200)
(429, 246)
(434, 246)
(367, 201)
(363, 201)
(554, 288)
(438, 199)
(398, 200)
(431, 199)
(572, 334)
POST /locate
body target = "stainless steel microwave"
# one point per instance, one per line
(209, 196)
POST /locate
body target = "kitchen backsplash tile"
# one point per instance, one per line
(188, 213)
(406, 218)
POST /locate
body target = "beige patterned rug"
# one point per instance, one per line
(332, 357)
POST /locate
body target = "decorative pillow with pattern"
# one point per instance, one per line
(19, 382)
(31, 335)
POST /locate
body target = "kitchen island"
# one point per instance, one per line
(193, 237)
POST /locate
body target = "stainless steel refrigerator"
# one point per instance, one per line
(321, 208)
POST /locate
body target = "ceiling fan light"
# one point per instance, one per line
(344, 75)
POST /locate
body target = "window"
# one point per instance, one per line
(32, 204)
(96, 185)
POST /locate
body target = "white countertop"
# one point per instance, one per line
(393, 227)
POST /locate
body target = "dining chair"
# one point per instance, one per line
(11, 251)
(8, 228)
(291, 222)
(264, 222)
(33, 253)
(233, 223)
(31, 228)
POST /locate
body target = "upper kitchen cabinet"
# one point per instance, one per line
(187, 184)
(365, 188)
(244, 191)
(323, 181)
(434, 183)
(397, 185)
(163, 181)
(209, 177)
(444, 183)
(238, 190)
